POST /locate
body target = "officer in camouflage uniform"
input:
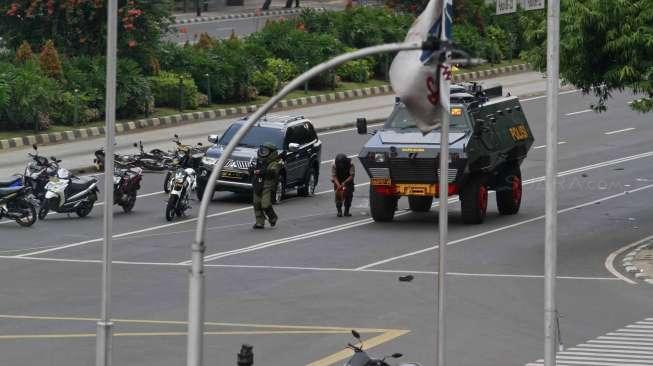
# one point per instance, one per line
(265, 175)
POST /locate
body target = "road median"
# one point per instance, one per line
(192, 117)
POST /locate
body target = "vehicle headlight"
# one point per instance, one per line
(379, 157)
(209, 160)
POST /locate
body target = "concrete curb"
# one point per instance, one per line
(190, 117)
(242, 15)
(637, 262)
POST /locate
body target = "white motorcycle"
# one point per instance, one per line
(66, 193)
(183, 183)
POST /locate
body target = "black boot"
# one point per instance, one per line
(347, 211)
(339, 208)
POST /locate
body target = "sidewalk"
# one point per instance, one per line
(251, 8)
(324, 116)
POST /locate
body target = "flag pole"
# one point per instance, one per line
(551, 199)
(443, 189)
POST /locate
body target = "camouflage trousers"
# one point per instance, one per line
(263, 207)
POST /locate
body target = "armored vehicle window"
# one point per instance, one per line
(255, 137)
(401, 119)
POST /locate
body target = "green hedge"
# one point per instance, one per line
(166, 89)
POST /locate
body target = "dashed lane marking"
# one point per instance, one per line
(619, 131)
(543, 146)
(618, 348)
(579, 112)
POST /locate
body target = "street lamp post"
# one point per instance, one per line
(198, 247)
(181, 93)
(104, 325)
(76, 107)
(208, 86)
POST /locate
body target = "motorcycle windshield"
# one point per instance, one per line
(359, 359)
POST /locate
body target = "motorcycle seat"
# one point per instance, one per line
(9, 190)
(78, 185)
(10, 182)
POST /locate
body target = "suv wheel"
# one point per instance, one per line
(308, 188)
(280, 192)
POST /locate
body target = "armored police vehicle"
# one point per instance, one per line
(489, 138)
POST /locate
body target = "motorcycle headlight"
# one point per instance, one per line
(209, 160)
(379, 157)
(179, 180)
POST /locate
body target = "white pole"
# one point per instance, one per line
(196, 278)
(104, 325)
(551, 206)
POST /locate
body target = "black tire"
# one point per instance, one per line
(30, 215)
(86, 209)
(310, 182)
(166, 182)
(43, 211)
(171, 208)
(280, 191)
(473, 201)
(420, 203)
(509, 190)
(128, 206)
(199, 190)
(382, 207)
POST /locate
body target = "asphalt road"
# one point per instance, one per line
(295, 290)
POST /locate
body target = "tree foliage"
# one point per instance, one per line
(78, 27)
(605, 46)
(49, 60)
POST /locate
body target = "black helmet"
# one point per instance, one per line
(342, 160)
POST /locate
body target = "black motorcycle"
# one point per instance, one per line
(186, 156)
(98, 161)
(362, 358)
(38, 173)
(17, 202)
(155, 160)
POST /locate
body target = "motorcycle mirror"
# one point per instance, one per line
(356, 334)
(176, 136)
(199, 144)
(34, 147)
(53, 158)
(396, 355)
(135, 144)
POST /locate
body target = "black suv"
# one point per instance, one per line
(298, 145)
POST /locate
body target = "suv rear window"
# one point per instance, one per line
(255, 137)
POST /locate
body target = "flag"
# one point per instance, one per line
(417, 76)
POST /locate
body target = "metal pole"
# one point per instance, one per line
(196, 277)
(443, 222)
(104, 325)
(551, 206)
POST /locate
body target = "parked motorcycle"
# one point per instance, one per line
(186, 156)
(67, 193)
(155, 160)
(126, 183)
(183, 184)
(38, 172)
(362, 358)
(17, 202)
(98, 161)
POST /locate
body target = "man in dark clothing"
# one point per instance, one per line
(265, 175)
(342, 176)
(289, 4)
(266, 5)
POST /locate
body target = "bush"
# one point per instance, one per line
(24, 52)
(165, 89)
(283, 70)
(30, 96)
(63, 111)
(468, 38)
(265, 82)
(133, 90)
(49, 60)
(359, 71)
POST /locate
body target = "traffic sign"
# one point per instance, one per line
(506, 6)
(533, 4)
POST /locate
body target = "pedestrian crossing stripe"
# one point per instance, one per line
(631, 345)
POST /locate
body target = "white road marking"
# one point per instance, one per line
(384, 261)
(607, 350)
(544, 96)
(526, 182)
(609, 261)
(543, 146)
(619, 131)
(307, 269)
(579, 112)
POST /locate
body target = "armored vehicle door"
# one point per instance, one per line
(486, 132)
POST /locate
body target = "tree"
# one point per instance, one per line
(79, 27)
(49, 61)
(606, 46)
(24, 52)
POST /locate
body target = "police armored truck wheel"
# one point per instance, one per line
(382, 207)
(509, 190)
(420, 203)
(473, 201)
